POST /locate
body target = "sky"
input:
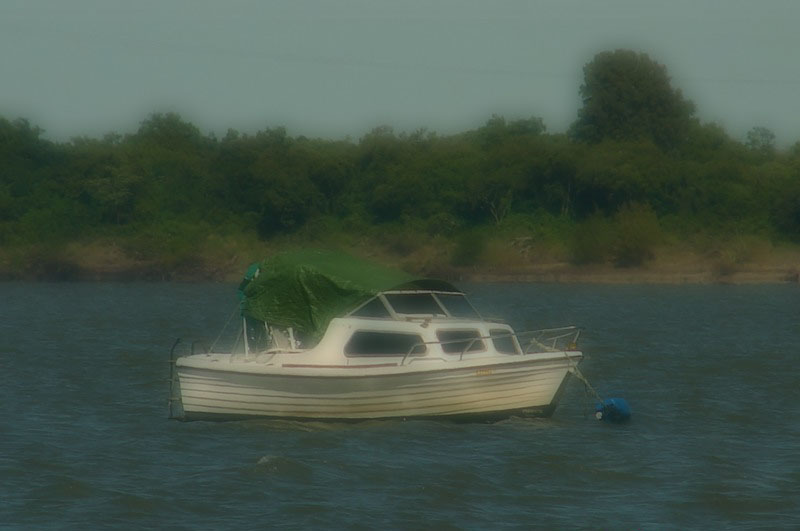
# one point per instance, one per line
(339, 68)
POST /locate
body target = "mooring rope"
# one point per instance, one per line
(579, 375)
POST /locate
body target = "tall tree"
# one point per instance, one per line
(761, 140)
(628, 96)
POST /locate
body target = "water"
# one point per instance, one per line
(710, 372)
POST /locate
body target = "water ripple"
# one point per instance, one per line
(85, 441)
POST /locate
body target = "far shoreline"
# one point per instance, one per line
(773, 268)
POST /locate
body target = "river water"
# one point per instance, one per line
(710, 372)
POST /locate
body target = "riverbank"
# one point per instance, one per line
(106, 261)
(766, 273)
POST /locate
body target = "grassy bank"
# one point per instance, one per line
(471, 256)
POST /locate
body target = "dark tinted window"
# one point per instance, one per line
(454, 341)
(376, 343)
(373, 308)
(503, 341)
(457, 305)
(414, 303)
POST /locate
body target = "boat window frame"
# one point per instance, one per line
(433, 293)
(390, 313)
(479, 338)
(420, 348)
(503, 333)
(477, 315)
(402, 315)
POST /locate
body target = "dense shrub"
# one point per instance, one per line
(637, 232)
(591, 241)
(469, 249)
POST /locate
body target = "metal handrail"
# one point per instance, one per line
(172, 360)
(572, 332)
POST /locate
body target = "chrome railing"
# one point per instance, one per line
(560, 339)
(551, 339)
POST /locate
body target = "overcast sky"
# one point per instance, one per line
(339, 68)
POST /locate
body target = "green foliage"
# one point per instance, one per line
(170, 243)
(786, 215)
(642, 165)
(497, 130)
(637, 234)
(286, 203)
(168, 131)
(402, 242)
(443, 224)
(470, 248)
(627, 96)
(628, 239)
(762, 141)
(616, 173)
(592, 241)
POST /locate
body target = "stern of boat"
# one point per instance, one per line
(174, 398)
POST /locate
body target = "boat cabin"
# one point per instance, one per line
(400, 323)
(330, 307)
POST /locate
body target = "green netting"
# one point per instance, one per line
(306, 289)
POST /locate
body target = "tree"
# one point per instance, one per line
(497, 130)
(761, 140)
(706, 141)
(168, 130)
(628, 96)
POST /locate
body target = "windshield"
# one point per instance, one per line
(457, 305)
(373, 308)
(414, 304)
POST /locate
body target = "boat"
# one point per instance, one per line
(321, 335)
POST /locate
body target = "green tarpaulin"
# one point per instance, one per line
(306, 289)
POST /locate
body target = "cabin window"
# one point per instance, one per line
(457, 305)
(503, 341)
(374, 308)
(377, 343)
(414, 303)
(455, 341)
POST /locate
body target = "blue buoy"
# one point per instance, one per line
(613, 410)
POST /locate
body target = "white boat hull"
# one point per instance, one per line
(528, 384)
